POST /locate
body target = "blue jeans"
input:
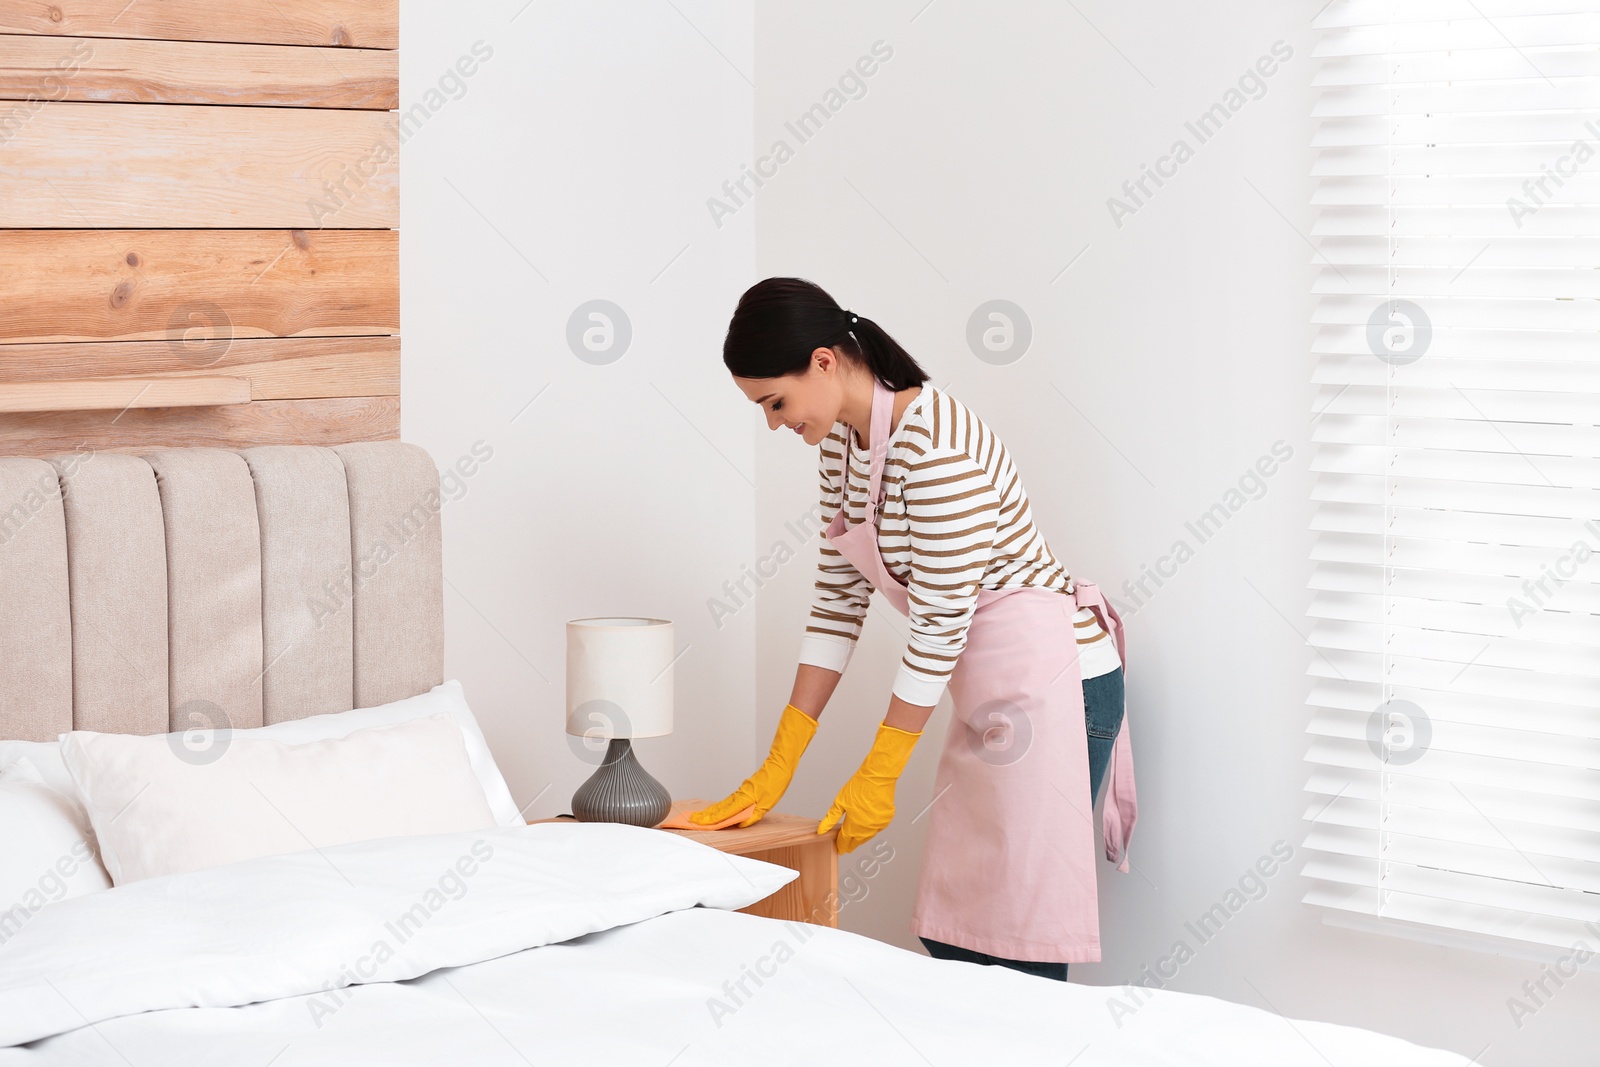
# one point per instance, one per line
(1102, 715)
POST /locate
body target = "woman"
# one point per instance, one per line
(929, 510)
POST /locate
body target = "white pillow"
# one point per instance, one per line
(446, 698)
(46, 759)
(46, 853)
(156, 810)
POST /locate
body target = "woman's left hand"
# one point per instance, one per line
(866, 803)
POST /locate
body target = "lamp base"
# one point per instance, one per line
(620, 790)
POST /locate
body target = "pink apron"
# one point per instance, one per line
(1008, 866)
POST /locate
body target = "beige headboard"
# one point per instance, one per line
(208, 587)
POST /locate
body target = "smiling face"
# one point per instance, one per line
(806, 403)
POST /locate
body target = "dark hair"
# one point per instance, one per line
(780, 321)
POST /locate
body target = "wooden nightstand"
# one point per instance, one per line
(788, 840)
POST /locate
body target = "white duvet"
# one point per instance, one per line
(579, 944)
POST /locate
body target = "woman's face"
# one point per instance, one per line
(806, 403)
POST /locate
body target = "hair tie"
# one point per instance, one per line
(852, 315)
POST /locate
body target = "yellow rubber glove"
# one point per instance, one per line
(866, 803)
(765, 787)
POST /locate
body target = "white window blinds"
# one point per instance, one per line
(1456, 427)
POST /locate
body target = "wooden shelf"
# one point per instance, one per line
(121, 394)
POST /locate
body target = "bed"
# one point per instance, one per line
(206, 594)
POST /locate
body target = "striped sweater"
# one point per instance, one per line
(955, 518)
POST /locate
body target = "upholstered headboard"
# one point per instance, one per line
(207, 587)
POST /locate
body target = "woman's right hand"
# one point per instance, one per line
(766, 786)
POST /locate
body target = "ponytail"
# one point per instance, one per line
(780, 321)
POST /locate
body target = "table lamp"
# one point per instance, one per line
(619, 686)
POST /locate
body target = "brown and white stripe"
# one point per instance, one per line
(955, 518)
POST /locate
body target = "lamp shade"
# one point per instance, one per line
(619, 677)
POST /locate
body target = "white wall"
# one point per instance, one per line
(1168, 359)
(572, 165)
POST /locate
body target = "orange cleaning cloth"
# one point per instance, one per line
(678, 819)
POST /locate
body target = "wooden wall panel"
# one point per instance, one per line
(179, 72)
(183, 165)
(92, 285)
(198, 206)
(345, 23)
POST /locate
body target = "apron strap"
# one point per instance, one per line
(882, 411)
(1121, 808)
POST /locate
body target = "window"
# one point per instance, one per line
(1456, 426)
